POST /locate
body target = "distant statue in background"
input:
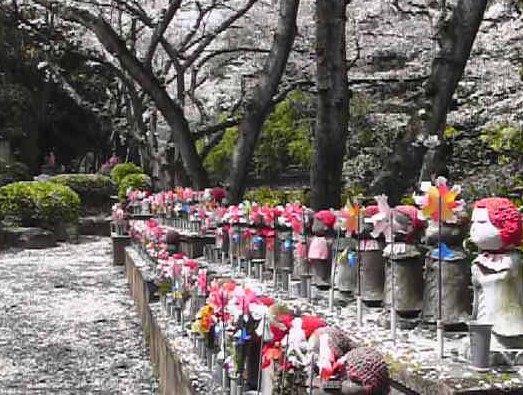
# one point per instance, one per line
(51, 162)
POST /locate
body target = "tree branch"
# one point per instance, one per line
(209, 130)
(215, 140)
(171, 111)
(161, 27)
(222, 51)
(221, 28)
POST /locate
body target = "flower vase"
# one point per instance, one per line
(480, 335)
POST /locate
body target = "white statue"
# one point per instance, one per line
(497, 273)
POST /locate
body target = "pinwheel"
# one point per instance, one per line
(352, 213)
(431, 204)
(383, 219)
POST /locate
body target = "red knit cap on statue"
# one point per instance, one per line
(326, 217)
(366, 366)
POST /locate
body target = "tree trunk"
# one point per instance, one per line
(333, 104)
(457, 39)
(171, 111)
(261, 104)
(401, 170)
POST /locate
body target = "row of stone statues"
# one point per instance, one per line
(396, 250)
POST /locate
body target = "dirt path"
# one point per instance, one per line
(68, 324)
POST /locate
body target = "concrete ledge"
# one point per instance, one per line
(173, 378)
(170, 352)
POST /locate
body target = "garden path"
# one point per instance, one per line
(68, 324)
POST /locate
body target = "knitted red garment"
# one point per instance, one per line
(505, 216)
(367, 367)
(326, 217)
(309, 323)
(369, 211)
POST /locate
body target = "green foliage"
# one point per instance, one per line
(122, 170)
(274, 197)
(41, 204)
(518, 4)
(504, 139)
(95, 190)
(408, 200)
(219, 159)
(451, 131)
(284, 140)
(132, 181)
(12, 172)
(351, 194)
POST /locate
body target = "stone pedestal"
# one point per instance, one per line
(456, 295)
(119, 244)
(372, 276)
(408, 285)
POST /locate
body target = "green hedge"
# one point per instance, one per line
(42, 204)
(13, 172)
(122, 170)
(274, 197)
(95, 190)
(133, 181)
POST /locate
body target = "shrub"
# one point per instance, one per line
(274, 197)
(43, 204)
(95, 190)
(122, 170)
(12, 172)
(132, 181)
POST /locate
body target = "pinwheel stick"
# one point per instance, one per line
(311, 378)
(260, 371)
(393, 281)
(284, 364)
(359, 303)
(439, 322)
(333, 270)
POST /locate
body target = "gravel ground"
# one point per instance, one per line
(68, 324)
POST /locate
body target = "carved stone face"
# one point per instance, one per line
(483, 233)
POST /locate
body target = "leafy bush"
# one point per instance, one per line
(12, 172)
(274, 197)
(122, 170)
(133, 181)
(43, 204)
(95, 190)
(284, 141)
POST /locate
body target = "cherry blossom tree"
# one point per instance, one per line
(192, 61)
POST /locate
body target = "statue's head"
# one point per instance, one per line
(496, 224)
(407, 225)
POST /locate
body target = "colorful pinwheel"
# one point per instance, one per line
(431, 201)
(352, 213)
(383, 219)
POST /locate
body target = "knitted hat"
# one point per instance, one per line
(367, 367)
(327, 217)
